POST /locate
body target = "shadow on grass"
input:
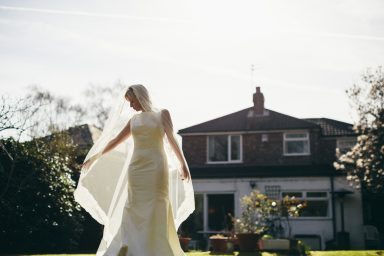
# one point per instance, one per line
(197, 253)
(237, 254)
(259, 253)
(233, 254)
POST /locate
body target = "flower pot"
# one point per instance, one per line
(231, 244)
(219, 244)
(235, 242)
(248, 242)
(293, 243)
(184, 243)
(274, 244)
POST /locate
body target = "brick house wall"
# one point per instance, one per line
(327, 150)
(195, 149)
(256, 152)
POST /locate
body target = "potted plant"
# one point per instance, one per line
(252, 224)
(184, 242)
(258, 215)
(275, 239)
(291, 207)
(219, 243)
(267, 242)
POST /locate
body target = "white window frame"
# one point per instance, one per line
(229, 161)
(306, 198)
(285, 139)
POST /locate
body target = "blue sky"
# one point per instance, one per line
(196, 56)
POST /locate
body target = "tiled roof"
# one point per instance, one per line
(330, 127)
(245, 120)
(239, 171)
(84, 135)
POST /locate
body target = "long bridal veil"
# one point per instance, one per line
(103, 191)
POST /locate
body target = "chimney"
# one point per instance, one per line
(258, 102)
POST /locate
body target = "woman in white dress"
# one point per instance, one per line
(136, 181)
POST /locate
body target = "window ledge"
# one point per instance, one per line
(297, 154)
(225, 162)
(309, 218)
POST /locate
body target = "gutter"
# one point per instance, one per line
(333, 207)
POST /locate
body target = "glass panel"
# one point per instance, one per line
(295, 135)
(272, 192)
(345, 145)
(219, 206)
(317, 194)
(235, 147)
(264, 137)
(297, 147)
(315, 209)
(218, 148)
(195, 221)
(290, 194)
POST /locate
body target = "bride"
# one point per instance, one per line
(135, 180)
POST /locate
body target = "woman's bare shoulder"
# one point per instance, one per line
(165, 112)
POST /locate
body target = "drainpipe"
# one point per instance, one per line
(333, 208)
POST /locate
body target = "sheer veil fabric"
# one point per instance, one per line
(102, 189)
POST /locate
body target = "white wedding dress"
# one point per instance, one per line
(150, 201)
(147, 227)
(135, 189)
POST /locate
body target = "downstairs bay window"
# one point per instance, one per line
(316, 202)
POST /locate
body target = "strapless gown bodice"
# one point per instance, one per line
(147, 131)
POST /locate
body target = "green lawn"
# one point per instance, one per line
(348, 253)
(314, 253)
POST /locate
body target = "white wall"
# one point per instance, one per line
(314, 225)
(353, 214)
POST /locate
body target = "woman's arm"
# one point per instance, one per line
(168, 128)
(124, 134)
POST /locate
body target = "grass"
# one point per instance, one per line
(348, 253)
(313, 253)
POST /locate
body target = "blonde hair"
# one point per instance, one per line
(130, 93)
(139, 92)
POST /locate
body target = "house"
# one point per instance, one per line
(84, 135)
(278, 154)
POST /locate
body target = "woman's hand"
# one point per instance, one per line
(87, 164)
(185, 175)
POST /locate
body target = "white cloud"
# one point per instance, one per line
(89, 14)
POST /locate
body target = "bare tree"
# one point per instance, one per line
(14, 115)
(98, 102)
(41, 113)
(54, 114)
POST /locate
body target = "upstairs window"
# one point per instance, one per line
(345, 144)
(296, 144)
(224, 148)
